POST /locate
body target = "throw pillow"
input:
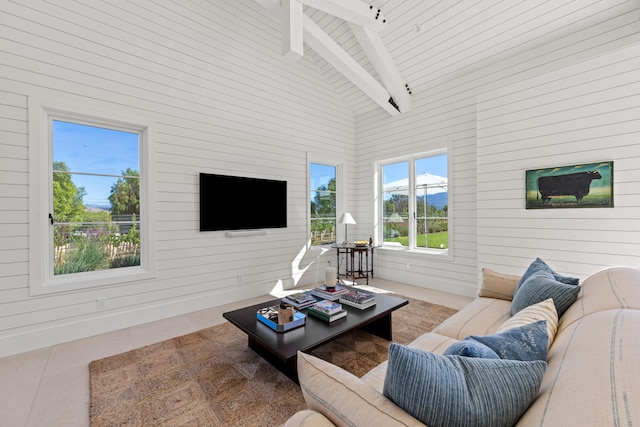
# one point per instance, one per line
(345, 399)
(460, 391)
(545, 310)
(470, 348)
(497, 285)
(540, 265)
(540, 286)
(526, 342)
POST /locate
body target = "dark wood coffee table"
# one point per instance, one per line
(281, 348)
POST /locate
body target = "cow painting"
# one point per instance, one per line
(572, 184)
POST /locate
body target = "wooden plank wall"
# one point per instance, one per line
(444, 111)
(211, 77)
(586, 113)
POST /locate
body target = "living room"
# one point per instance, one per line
(504, 90)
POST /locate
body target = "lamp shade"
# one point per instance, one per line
(346, 218)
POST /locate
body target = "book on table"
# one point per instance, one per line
(327, 307)
(326, 317)
(269, 317)
(358, 299)
(330, 293)
(300, 300)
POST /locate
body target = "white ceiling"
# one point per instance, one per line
(431, 41)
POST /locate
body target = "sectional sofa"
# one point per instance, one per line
(591, 377)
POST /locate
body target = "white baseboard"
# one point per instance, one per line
(109, 321)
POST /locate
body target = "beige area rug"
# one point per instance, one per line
(211, 377)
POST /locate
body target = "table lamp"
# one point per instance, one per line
(346, 219)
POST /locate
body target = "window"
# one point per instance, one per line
(415, 202)
(92, 199)
(322, 197)
(96, 198)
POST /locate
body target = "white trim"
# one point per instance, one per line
(444, 255)
(340, 190)
(41, 112)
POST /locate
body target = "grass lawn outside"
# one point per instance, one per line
(434, 240)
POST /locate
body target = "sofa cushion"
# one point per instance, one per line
(460, 391)
(497, 285)
(592, 374)
(308, 418)
(540, 286)
(482, 316)
(545, 310)
(609, 288)
(540, 265)
(345, 399)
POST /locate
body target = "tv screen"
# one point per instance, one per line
(241, 203)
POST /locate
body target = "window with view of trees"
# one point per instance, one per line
(415, 202)
(96, 198)
(322, 185)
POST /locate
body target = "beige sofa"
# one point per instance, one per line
(593, 363)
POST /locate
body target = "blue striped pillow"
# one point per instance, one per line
(540, 286)
(444, 391)
(540, 265)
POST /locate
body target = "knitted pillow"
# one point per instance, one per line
(444, 391)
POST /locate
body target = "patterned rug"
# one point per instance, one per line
(211, 377)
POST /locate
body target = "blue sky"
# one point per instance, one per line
(95, 150)
(436, 165)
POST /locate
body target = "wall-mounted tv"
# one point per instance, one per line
(241, 203)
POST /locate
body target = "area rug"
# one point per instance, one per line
(211, 377)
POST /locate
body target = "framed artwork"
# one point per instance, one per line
(578, 186)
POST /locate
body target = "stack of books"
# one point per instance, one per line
(358, 299)
(328, 311)
(300, 300)
(330, 293)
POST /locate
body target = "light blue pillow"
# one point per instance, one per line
(444, 391)
(470, 348)
(540, 265)
(540, 286)
(526, 342)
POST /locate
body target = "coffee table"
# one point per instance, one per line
(281, 348)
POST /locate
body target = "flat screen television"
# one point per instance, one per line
(241, 203)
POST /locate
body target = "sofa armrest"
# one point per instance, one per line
(308, 418)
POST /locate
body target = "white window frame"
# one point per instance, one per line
(445, 254)
(84, 111)
(339, 194)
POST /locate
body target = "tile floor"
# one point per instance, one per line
(50, 387)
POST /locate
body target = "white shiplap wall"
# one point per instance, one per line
(211, 78)
(444, 111)
(585, 113)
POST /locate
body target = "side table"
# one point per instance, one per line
(352, 253)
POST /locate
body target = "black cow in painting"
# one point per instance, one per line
(573, 184)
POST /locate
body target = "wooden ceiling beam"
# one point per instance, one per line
(365, 21)
(291, 23)
(354, 11)
(326, 47)
(384, 65)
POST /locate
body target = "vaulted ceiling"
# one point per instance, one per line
(430, 41)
